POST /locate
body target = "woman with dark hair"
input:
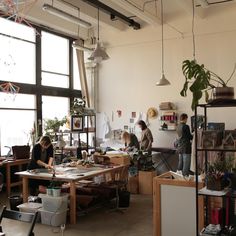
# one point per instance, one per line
(146, 137)
(42, 157)
(42, 154)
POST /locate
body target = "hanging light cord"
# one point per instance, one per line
(78, 24)
(162, 39)
(98, 24)
(193, 29)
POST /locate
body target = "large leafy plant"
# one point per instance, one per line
(199, 80)
(53, 125)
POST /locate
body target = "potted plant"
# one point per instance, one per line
(78, 105)
(53, 125)
(199, 80)
(217, 173)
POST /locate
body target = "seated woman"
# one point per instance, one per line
(42, 157)
(131, 141)
(146, 137)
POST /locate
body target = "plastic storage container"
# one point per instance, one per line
(30, 207)
(54, 204)
(53, 218)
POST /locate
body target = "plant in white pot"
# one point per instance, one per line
(199, 80)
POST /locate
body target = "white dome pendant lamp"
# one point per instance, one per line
(99, 53)
(163, 81)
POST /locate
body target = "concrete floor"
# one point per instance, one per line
(136, 221)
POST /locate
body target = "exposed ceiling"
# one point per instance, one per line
(144, 12)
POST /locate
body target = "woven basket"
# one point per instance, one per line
(214, 184)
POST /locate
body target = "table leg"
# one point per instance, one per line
(25, 193)
(8, 180)
(72, 203)
(165, 160)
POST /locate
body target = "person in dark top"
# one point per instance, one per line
(42, 154)
(42, 157)
(184, 145)
(131, 141)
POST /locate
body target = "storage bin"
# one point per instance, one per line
(54, 204)
(124, 199)
(53, 218)
(30, 207)
(15, 201)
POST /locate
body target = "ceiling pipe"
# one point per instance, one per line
(113, 13)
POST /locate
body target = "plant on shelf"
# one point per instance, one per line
(217, 171)
(53, 125)
(199, 80)
(78, 105)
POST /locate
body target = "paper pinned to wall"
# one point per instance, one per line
(103, 125)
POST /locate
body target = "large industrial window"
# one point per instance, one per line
(38, 62)
(17, 47)
(17, 120)
(55, 60)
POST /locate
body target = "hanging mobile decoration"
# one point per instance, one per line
(17, 9)
(10, 89)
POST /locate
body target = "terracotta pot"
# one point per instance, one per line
(223, 93)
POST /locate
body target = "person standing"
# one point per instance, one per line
(146, 137)
(184, 145)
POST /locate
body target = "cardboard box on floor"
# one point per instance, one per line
(145, 179)
(133, 184)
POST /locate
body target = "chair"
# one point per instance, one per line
(20, 216)
(119, 182)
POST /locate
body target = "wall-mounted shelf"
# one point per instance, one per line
(168, 120)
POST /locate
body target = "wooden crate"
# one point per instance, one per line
(120, 160)
(174, 201)
(145, 179)
(133, 184)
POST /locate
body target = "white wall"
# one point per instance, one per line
(127, 80)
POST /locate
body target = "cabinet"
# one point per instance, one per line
(219, 206)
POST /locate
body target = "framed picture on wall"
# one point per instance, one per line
(77, 123)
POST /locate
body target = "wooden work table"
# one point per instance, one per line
(8, 164)
(72, 175)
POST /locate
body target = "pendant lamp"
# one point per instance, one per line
(99, 53)
(163, 81)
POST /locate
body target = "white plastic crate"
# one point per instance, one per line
(54, 204)
(53, 218)
(30, 207)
